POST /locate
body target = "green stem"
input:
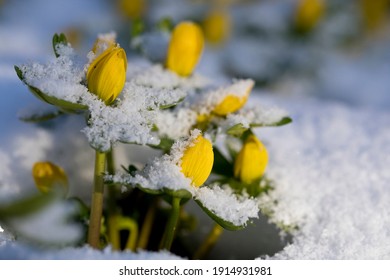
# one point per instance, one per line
(147, 226)
(97, 200)
(170, 228)
(209, 243)
(111, 203)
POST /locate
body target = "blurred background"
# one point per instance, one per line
(335, 51)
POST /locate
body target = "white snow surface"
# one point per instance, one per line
(331, 170)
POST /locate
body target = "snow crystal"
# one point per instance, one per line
(163, 172)
(226, 205)
(103, 42)
(158, 77)
(330, 168)
(177, 123)
(259, 115)
(131, 120)
(124, 123)
(60, 78)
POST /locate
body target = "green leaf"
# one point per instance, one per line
(282, 121)
(221, 165)
(254, 189)
(165, 144)
(182, 193)
(236, 130)
(63, 105)
(26, 206)
(58, 40)
(19, 73)
(167, 106)
(40, 117)
(223, 223)
(137, 28)
(165, 24)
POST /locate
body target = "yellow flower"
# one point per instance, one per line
(48, 177)
(251, 161)
(309, 13)
(106, 75)
(232, 103)
(185, 48)
(133, 9)
(216, 26)
(198, 160)
(374, 12)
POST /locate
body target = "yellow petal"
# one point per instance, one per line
(251, 161)
(48, 177)
(106, 75)
(198, 160)
(232, 103)
(185, 48)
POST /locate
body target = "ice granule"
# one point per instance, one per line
(226, 205)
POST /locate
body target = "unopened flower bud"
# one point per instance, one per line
(217, 26)
(308, 14)
(198, 160)
(251, 161)
(49, 177)
(185, 48)
(106, 75)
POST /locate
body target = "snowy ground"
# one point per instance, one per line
(330, 164)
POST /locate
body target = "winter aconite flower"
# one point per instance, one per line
(374, 13)
(198, 160)
(48, 177)
(232, 103)
(308, 14)
(216, 26)
(107, 74)
(185, 48)
(132, 9)
(251, 161)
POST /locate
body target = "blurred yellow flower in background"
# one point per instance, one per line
(106, 75)
(132, 9)
(308, 14)
(49, 177)
(216, 26)
(374, 12)
(251, 161)
(197, 161)
(185, 48)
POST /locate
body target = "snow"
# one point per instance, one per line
(329, 166)
(332, 181)
(222, 202)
